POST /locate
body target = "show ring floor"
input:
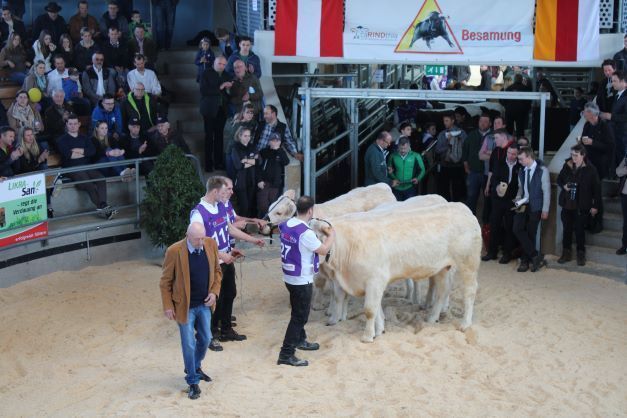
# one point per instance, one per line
(95, 343)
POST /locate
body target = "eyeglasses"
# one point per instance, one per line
(138, 89)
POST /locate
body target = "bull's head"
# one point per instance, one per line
(283, 208)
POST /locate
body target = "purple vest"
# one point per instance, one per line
(230, 213)
(216, 226)
(291, 258)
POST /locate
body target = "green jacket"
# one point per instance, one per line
(407, 168)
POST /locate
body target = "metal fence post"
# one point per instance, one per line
(354, 140)
(542, 120)
(307, 141)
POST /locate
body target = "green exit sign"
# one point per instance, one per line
(435, 70)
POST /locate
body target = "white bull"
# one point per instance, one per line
(372, 250)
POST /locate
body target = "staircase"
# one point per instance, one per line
(565, 80)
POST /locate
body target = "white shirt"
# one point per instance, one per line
(307, 244)
(148, 79)
(100, 90)
(55, 80)
(197, 217)
(619, 94)
(191, 248)
(510, 165)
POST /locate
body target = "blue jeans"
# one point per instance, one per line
(195, 338)
(474, 183)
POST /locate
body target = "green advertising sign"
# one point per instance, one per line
(23, 209)
(431, 70)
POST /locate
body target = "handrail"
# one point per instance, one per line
(310, 75)
(104, 224)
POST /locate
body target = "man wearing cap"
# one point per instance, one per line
(140, 105)
(164, 135)
(137, 144)
(50, 21)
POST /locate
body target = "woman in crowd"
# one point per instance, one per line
(44, 48)
(244, 158)
(14, 56)
(34, 158)
(84, 50)
(36, 78)
(244, 118)
(66, 50)
(270, 173)
(107, 150)
(22, 114)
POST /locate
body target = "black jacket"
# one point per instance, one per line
(244, 177)
(7, 165)
(588, 193)
(212, 98)
(501, 174)
(619, 118)
(601, 151)
(271, 167)
(18, 27)
(115, 56)
(158, 143)
(56, 27)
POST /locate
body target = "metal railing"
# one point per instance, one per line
(136, 162)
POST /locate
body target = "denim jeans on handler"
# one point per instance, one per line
(195, 338)
(474, 186)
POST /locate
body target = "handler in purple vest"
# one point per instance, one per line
(300, 249)
(212, 213)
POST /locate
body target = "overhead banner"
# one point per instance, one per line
(445, 30)
(23, 209)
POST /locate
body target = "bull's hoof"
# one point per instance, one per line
(367, 339)
(331, 322)
(318, 307)
(463, 327)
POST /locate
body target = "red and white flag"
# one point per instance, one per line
(309, 28)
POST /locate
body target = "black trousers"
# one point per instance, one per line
(300, 299)
(214, 136)
(451, 183)
(501, 226)
(97, 190)
(574, 219)
(623, 202)
(224, 306)
(520, 119)
(526, 229)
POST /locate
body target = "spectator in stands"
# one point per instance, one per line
(44, 48)
(204, 57)
(22, 114)
(463, 119)
(404, 130)
(34, 157)
(126, 9)
(74, 92)
(460, 74)
(9, 25)
(78, 150)
(606, 93)
(245, 88)
(138, 145)
(580, 196)
(407, 167)
(98, 80)
(545, 85)
(136, 20)
(244, 159)
(489, 143)
(270, 174)
(253, 65)
(620, 58)
(14, 56)
(598, 138)
(164, 135)
(523, 141)
(621, 172)
(246, 117)
(9, 154)
(476, 178)
(375, 161)
(140, 105)
(576, 107)
(227, 42)
(272, 124)
(486, 78)
(56, 76)
(165, 16)
(116, 58)
(618, 115)
(66, 50)
(429, 135)
(82, 19)
(502, 190)
(214, 85)
(84, 50)
(451, 183)
(108, 149)
(36, 78)
(56, 116)
(51, 21)
(502, 142)
(139, 44)
(517, 111)
(108, 110)
(534, 194)
(112, 17)
(144, 75)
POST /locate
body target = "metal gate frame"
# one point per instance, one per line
(311, 172)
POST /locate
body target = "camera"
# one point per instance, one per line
(572, 190)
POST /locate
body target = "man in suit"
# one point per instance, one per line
(618, 116)
(214, 84)
(189, 284)
(605, 93)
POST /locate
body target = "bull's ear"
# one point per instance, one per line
(326, 230)
(290, 193)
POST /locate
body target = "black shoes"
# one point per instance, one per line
(567, 255)
(214, 345)
(193, 391)
(621, 251)
(523, 267)
(489, 256)
(505, 259)
(581, 258)
(307, 346)
(537, 262)
(292, 361)
(231, 335)
(203, 375)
